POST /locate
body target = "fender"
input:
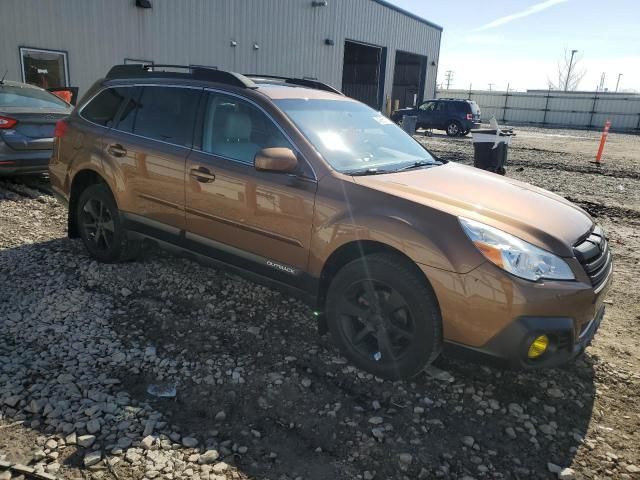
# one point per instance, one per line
(344, 213)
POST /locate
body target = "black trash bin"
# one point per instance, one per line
(491, 149)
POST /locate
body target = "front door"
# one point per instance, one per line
(151, 142)
(263, 219)
(426, 114)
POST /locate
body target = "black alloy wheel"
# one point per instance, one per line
(384, 316)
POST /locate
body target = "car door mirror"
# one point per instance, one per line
(276, 160)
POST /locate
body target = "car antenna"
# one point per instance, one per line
(4, 76)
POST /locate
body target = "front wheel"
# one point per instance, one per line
(453, 129)
(100, 226)
(384, 317)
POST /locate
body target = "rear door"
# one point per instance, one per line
(150, 143)
(29, 116)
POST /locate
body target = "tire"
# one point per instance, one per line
(404, 325)
(100, 226)
(464, 133)
(453, 128)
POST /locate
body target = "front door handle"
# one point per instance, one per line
(202, 174)
(117, 150)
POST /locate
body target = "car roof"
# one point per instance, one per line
(282, 91)
(274, 87)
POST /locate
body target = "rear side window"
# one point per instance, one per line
(460, 107)
(104, 106)
(162, 113)
(26, 97)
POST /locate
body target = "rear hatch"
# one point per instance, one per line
(35, 113)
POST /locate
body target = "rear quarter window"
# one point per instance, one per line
(102, 109)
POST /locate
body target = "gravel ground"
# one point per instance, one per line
(260, 395)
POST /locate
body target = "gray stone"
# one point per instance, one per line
(93, 426)
(147, 442)
(92, 458)
(405, 459)
(220, 467)
(209, 457)
(85, 441)
(51, 444)
(468, 441)
(189, 442)
(567, 474)
(553, 468)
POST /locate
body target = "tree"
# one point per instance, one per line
(570, 73)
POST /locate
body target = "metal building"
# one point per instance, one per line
(369, 49)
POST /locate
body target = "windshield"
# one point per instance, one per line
(25, 97)
(353, 137)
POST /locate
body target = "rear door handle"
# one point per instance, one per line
(117, 150)
(202, 174)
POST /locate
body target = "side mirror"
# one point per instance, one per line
(276, 160)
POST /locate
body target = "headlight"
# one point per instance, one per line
(514, 255)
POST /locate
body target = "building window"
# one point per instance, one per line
(44, 68)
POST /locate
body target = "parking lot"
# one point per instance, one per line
(258, 394)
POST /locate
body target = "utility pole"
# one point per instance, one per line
(602, 77)
(566, 82)
(490, 86)
(618, 82)
(448, 77)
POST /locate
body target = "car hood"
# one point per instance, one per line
(530, 213)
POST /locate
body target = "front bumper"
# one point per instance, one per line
(509, 348)
(492, 316)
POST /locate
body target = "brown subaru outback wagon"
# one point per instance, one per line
(401, 254)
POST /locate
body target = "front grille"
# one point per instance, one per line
(595, 256)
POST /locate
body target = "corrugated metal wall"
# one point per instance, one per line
(570, 109)
(290, 33)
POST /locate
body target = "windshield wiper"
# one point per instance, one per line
(418, 164)
(367, 171)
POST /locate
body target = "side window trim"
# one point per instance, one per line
(204, 101)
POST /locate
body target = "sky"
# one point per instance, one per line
(518, 43)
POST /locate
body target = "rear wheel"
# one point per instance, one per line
(100, 226)
(453, 128)
(384, 317)
(464, 133)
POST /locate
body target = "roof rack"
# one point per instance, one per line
(211, 74)
(302, 82)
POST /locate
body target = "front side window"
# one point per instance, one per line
(234, 128)
(166, 114)
(428, 106)
(29, 97)
(44, 68)
(353, 137)
(102, 109)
